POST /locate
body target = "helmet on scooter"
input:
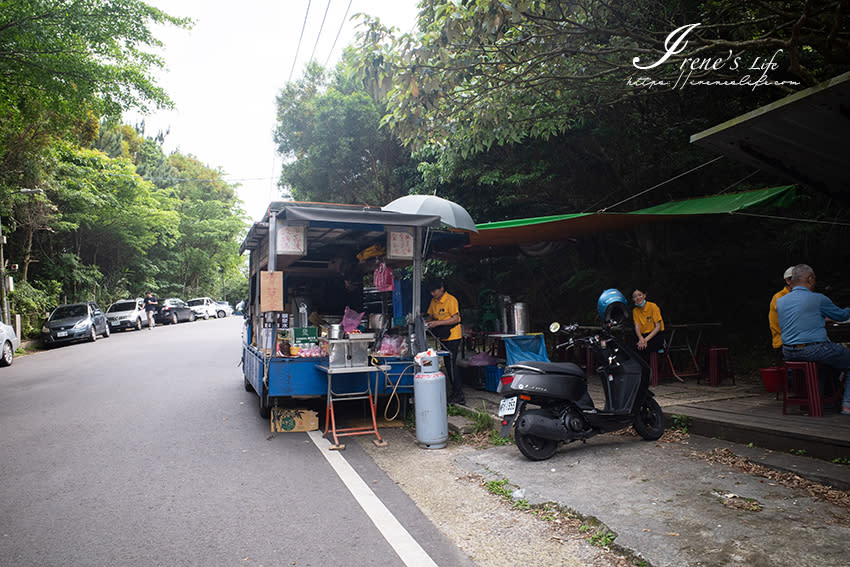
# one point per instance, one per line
(613, 308)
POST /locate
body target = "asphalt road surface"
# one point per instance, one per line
(145, 449)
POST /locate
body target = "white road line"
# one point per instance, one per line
(399, 538)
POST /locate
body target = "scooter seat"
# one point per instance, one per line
(568, 368)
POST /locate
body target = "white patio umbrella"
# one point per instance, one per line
(449, 212)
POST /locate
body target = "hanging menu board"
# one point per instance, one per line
(400, 244)
(291, 240)
(271, 291)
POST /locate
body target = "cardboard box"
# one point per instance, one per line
(286, 420)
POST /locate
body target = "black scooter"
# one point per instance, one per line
(548, 402)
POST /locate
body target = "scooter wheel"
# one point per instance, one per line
(535, 448)
(649, 422)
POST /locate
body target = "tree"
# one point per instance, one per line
(483, 72)
(329, 133)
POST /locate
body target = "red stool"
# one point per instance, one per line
(808, 383)
(719, 366)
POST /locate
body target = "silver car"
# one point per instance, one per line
(10, 344)
(74, 322)
(126, 314)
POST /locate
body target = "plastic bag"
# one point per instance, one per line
(351, 319)
(391, 345)
(383, 278)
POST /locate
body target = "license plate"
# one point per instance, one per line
(62, 334)
(507, 406)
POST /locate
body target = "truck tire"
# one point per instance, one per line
(265, 408)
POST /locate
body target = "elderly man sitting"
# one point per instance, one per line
(802, 317)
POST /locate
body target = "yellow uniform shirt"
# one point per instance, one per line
(647, 316)
(773, 318)
(444, 308)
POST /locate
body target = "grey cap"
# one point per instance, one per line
(788, 273)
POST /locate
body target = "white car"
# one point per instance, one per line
(225, 310)
(10, 344)
(205, 307)
(126, 314)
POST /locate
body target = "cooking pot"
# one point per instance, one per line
(377, 321)
(335, 331)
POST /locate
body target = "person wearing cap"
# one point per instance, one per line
(649, 325)
(802, 318)
(773, 318)
(443, 320)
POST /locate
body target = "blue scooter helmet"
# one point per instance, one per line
(612, 307)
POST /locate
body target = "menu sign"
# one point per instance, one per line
(400, 245)
(291, 240)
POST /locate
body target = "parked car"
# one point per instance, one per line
(10, 344)
(205, 307)
(74, 322)
(173, 311)
(224, 309)
(126, 314)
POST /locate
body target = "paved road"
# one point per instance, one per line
(144, 449)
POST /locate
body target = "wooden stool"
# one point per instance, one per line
(809, 380)
(716, 374)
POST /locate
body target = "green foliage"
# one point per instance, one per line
(499, 487)
(603, 538)
(681, 423)
(33, 302)
(94, 54)
(334, 147)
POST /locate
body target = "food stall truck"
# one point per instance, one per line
(307, 264)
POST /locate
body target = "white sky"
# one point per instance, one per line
(224, 74)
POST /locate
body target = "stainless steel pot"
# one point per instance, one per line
(377, 321)
(335, 332)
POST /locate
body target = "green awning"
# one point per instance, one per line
(561, 227)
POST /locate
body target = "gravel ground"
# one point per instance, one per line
(484, 524)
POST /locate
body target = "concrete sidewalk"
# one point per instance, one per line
(674, 504)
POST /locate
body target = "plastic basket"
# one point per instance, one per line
(492, 376)
(770, 377)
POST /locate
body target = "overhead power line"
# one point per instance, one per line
(321, 27)
(297, 49)
(338, 32)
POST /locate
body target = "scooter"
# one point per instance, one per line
(547, 403)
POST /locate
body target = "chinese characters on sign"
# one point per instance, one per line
(400, 245)
(291, 240)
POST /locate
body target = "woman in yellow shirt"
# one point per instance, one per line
(649, 325)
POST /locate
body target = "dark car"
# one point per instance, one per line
(173, 310)
(74, 322)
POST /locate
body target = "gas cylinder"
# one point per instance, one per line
(429, 402)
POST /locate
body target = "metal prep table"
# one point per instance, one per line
(367, 394)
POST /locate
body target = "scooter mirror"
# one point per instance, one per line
(554, 327)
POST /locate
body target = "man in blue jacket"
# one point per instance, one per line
(802, 318)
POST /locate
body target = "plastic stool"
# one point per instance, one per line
(716, 374)
(653, 368)
(812, 399)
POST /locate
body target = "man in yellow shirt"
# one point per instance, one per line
(773, 318)
(443, 319)
(649, 325)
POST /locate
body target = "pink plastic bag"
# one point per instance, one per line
(383, 278)
(351, 319)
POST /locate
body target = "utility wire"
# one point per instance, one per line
(338, 32)
(660, 184)
(793, 219)
(321, 27)
(297, 49)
